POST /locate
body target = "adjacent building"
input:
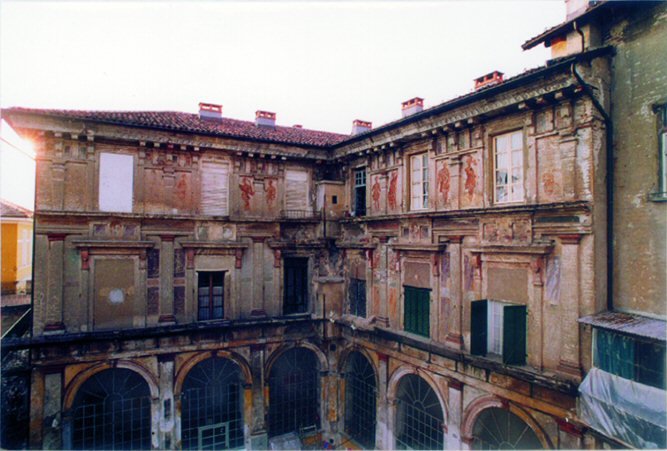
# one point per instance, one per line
(16, 242)
(459, 278)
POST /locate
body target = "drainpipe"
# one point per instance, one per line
(609, 136)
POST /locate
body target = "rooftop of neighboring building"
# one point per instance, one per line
(11, 210)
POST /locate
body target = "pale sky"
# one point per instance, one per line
(319, 64)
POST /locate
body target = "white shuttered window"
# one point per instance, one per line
(419, 182)
(296, 190)
(215, 188)
(116, 182)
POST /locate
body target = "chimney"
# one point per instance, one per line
(297, 126)
(490, 79)
(359, 126)
(412, 106)
(210, 111)
(265, 119)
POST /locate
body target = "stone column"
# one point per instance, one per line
(258, 276)
(167, 417)
(51, 419)
(382, 425)
(569, 306)
(535, 348)
(167, 280)
(570, 436)
(454, 336)
(256, 410)
(388, 437)
(453, 435)
(54, 290)
(329, 399)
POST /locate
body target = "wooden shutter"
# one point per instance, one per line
(296, 190)
(514, 334)
(416, 314)
(478, 327)
(215, 189)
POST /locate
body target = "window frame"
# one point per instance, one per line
(417, 314)
(661, 194)
(295, 308)
(356, 288)
(511, 167)
(506, 338)
(360, 186)
(211, 307)
(422, 186)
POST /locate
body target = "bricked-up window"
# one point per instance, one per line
(631, 358)
(116, 180)
(419, 182)
(416, 310)
(661, 194)
(360, 192)
(357, 296)
(508, 162)
(210, 295)
(296, 190)
(499, 328)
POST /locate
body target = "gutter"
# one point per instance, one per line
(609, 137)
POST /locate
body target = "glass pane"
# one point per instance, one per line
(517, 140)
(516, 175)
(501, 194)
(517, 191)
(517, 158)
(502, 161)
(203, 291)
(501, 143)
(217, 290)
(501, 177)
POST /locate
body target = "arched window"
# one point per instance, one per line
(112, 410)
(212, 406)
(497, 428)
(294, 401)
(419, 417)
(360, 400)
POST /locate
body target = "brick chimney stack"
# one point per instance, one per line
(412, 106)
(210, 111)
(265, 119)
(359, 126)
(490, 79)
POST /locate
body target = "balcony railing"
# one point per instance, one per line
(300, 215)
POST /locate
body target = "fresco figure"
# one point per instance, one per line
(391, 196)
(443, 182)
(270, 191)
(375, 193)
(471, 177)
(247, 191)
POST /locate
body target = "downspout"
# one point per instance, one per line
(609, 136)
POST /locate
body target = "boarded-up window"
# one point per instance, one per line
(114, 293)
(215, 189)
(296, 190)
(116, 182)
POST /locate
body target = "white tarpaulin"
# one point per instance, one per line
(629, 411)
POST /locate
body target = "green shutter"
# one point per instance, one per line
(416, 318)
(514, 334)
(478, 326)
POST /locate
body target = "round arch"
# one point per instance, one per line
(345, 357)
(193, 361)
(78, 380)
(392, 386)
(360, 397)
(275, 355)
(475, 408)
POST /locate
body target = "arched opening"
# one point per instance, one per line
(419, 416)
(294, 403)
(360, 400)
(112, 410)
(497, 428)
(212, 406)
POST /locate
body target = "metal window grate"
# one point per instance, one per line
(294, 401)
(112, 410)
(212, 406)
(500, 429)
(360, 400)
(419, 416)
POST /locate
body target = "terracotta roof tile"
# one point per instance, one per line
(192, 123)
(10, 210)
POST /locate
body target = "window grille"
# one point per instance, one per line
(294, 400)
(357, 296)
(501, 429)
(112, 410)
(419, 416)
(212, 406)
(360, 400)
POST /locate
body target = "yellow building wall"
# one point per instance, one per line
(24, 254)
(9, 254)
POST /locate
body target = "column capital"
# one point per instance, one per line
(571, 238)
